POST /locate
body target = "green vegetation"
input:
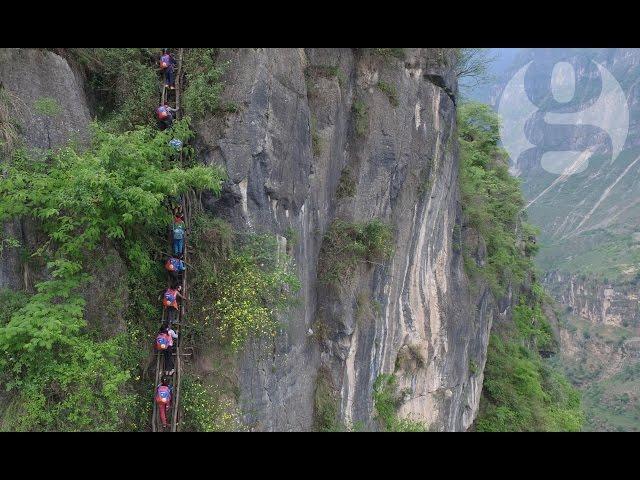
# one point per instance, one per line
(609, 398)
(203, 82)
(124, 82)
(126, 85)
(247, 298)
(60, 376)
(390, 91)
(606, 246)
(473, 367)
(424, 179)
(346, 244)
(346, 184)
(522, 393)
(9, 129)
(361, 116)
(491, 199)
(11, 301)
(105, 208)
(533, 326)
(241, 284)
(293, 237)
(49, 107)
(387, 399)
(612, 404)
(326, 404)
(327, 71)
(206, 409)
(598, 254)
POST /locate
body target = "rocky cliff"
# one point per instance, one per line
(47, 104)
(29, 76)
(600, 347)
(602, 326)
(596, 301)
(311, 120)
(319, 135)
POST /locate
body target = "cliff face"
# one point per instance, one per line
(600, 347)
(299, 126)
(31, 77)
(310, 122)
(603, 326)
(596, 301)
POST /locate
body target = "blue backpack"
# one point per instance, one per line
(165, 61)
(176, 144)
(178, 233)
(163, 394)
(169, 297)
(177, 264)
(163, 341)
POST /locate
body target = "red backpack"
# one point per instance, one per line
(162, 112)
(165, 61)
(163, 394)
(169, 298)
(163, 341)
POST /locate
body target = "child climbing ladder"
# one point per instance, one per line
(167, 384)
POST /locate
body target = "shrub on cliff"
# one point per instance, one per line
(522, 393)
(241, 284)
(203, 85)
(63, 378)
(387, 400)
(346, 244)
(124, 82)
(491, 198)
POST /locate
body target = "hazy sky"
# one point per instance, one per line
(503, 58)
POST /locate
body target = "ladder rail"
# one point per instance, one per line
(179, 83)
(159, 370)
(175, 404)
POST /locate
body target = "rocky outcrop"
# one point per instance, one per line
(603, 327)
(596, 301)
(32, 75)
(28, 77)
(307, 116)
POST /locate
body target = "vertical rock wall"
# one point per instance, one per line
(285, 150)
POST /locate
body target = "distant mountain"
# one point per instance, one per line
(590, 216)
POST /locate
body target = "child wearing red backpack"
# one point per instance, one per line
(167, 65)
(175, 267)
(169, 299)
(164, 394)
(165, 343)
(164, 113)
